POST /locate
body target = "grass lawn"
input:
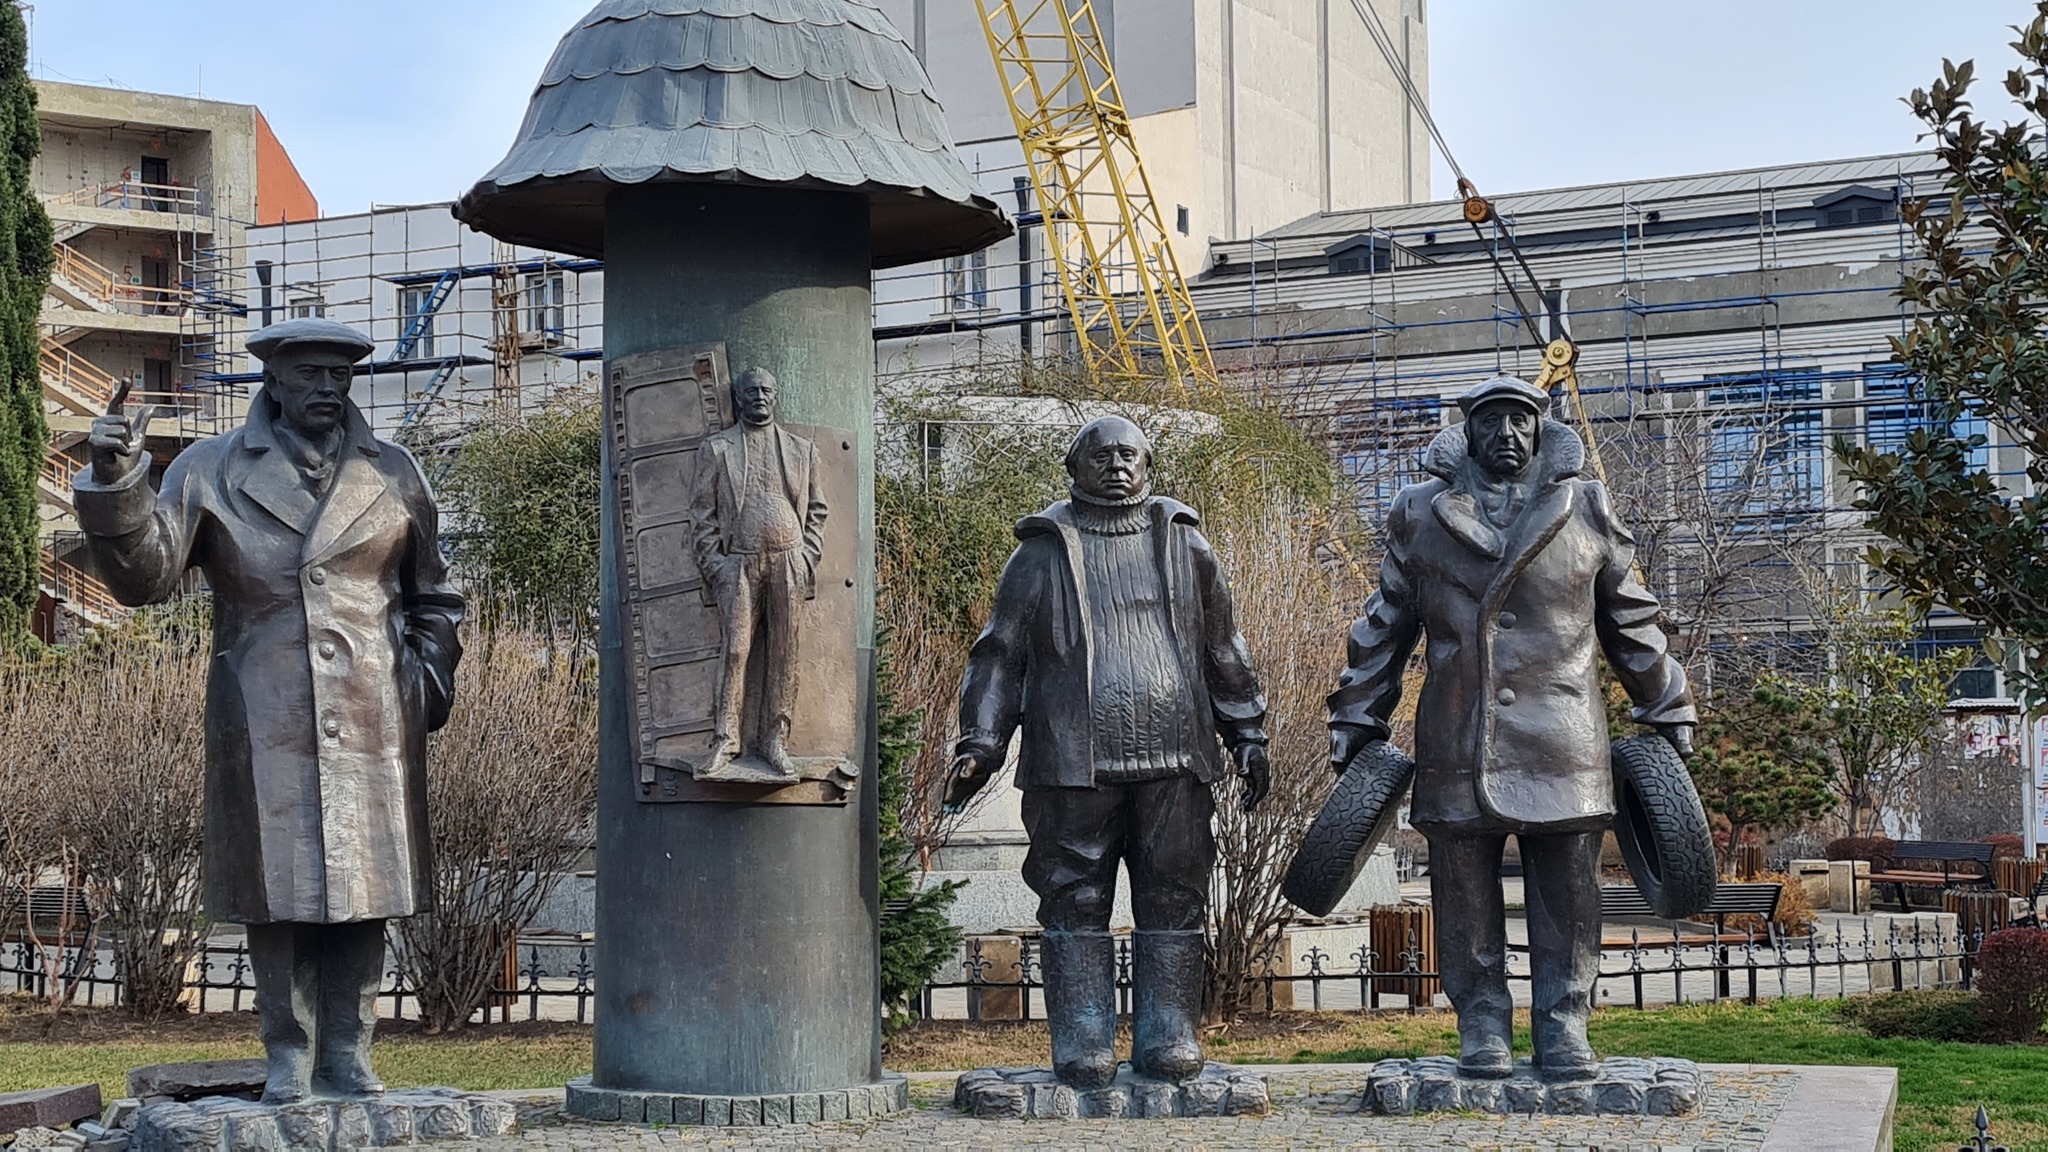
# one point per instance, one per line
(1940, 1084)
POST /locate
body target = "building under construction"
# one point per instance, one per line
(150, 196)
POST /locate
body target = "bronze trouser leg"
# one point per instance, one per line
(287, 994)
(1171, 853)
(778, 635)
(1561, 885)
(736, 610)
(1077, 837)
(351, 960)
(1471, 929)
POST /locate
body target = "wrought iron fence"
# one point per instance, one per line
(1650, 968)
(220, 979)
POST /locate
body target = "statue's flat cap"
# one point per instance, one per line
(1505, 388)
(310, 331)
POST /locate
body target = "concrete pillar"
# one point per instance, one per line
(738, 953)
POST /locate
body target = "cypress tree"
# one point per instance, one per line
(26, 253)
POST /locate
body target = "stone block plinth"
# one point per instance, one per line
(1036, 1093)
(393, 1119)
(1624, 1086)
(890, 1094)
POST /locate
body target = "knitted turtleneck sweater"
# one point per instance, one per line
(1142, 708)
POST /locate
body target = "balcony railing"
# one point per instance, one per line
(83, 592)
(133, 195)
(77, 379)
(100, 282)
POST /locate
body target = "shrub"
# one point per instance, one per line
(2006, 845)
(2012, 983)
(1795, 915)
(1924, 1014)
(1877, 850)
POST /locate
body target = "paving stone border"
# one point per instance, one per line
(414, 1116)
(1036, 1093)
(1625, 1086)
(891, 1094)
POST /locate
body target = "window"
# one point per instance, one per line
(1856, 204)
(545, 295)
(1768, 458)
(1386, 441)
(967, 282)
(308, 308)
(1895, 410)
(1360, 254)
(415, 321)
(1180, 218)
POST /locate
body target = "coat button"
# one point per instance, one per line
(1505, 696)
(332, 727)
(327, 649)
(1507, 619)
(317, 575)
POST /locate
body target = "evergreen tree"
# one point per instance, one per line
(25, 257)
(917, 936)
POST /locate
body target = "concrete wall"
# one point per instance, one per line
(95, 130)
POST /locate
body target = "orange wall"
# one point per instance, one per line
(281, 193)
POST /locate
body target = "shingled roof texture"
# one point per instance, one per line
(805, 92)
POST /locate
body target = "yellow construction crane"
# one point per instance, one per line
(1133, 319)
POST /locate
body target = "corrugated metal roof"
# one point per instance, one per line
(1643, 193)
(804, 93)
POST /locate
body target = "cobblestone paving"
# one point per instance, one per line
(1312, 1108)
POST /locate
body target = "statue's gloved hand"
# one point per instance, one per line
(1254, 773)
(971, 770)
(1346, 742)
(1679, 736)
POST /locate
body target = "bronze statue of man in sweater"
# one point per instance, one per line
(1112, 646)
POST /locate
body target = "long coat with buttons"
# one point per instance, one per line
(1511, 729)
(334, 641)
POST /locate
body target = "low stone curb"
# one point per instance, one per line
(891, 1094)
(1021, 1093)
(221, 1124)
(1624, 1086)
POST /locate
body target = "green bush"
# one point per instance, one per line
(1927, 1014)
(2012, 983)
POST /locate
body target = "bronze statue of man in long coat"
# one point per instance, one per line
(334, 636)
(1522, 576)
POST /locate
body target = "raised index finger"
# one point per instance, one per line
(120, 398)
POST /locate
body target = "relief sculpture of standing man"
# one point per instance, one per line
(758, 532)
(1113, 649)
(334, 638)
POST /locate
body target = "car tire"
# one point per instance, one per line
(1360, 813)
(1661, 828)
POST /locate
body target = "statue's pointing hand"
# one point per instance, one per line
(116, 442)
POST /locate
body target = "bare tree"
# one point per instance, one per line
(511, 788)
(1294, 606)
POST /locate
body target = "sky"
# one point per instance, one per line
(409, 101)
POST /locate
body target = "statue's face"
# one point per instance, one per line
(1501, 435)
(755, 394)
(1114, 465)
(311, 387)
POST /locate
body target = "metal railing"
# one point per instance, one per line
(99, 282)
(132, 195)
(221, 978)
(69, 584)
(79, 384)
(1650, 971)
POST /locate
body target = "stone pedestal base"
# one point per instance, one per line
(892, 1094)
(415, 1116)
(1220, 1090)
(1624, 1087)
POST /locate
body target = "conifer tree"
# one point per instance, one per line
(25, 258)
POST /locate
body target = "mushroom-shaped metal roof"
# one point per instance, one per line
(818, 94)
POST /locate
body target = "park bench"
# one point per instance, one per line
(1750, 899)
(1948, 854)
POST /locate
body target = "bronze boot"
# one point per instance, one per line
(1080, 1006)
(1166, 981)
(287, 973)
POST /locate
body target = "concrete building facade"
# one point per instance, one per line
(145, 192)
